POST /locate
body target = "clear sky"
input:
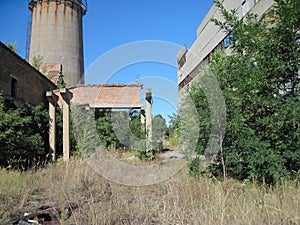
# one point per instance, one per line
(114, 23)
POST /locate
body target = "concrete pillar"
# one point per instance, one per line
(66, 95)
(149, 118)
(142, 116)
(52, 99)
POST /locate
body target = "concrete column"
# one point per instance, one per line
(149, 118)
(143, 130)
(66, 95)
(142, 116)
(52, 99)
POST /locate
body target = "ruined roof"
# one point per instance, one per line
(104, 85)
(106, 95)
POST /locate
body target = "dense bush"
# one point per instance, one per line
(260, 83)
(119, 129)
(23, 135)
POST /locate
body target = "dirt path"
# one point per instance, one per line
(170, 154)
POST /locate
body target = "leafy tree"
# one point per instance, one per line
(260, 83)
(117, 129)
(60, 82)
(121, 129)
(173, 130)
(159, 130)
(138, 131)
(84, 135)
(106, 130)
(81, 139)
(37, 61)
(173, 124)
(135, 124)
(23, 135)
(59, 133)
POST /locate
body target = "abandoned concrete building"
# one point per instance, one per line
(210, 38)
(94, 96)
(55, 36)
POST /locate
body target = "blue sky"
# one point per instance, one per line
(114, 23)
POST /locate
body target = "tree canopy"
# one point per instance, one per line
(260, 83)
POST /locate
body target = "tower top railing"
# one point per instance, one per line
(80, 3)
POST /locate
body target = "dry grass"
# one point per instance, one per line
(180, 200)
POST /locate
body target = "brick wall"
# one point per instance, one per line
(19, 81)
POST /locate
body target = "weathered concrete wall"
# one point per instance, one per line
(30, 84)
(56, 35)
(105, 95)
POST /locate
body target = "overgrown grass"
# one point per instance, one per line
(180, 200)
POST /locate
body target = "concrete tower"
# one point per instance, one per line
(56, 35)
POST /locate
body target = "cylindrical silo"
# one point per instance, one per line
(56, 35)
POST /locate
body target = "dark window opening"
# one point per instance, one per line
(13, 87)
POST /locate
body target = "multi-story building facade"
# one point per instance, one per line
(211, 38)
